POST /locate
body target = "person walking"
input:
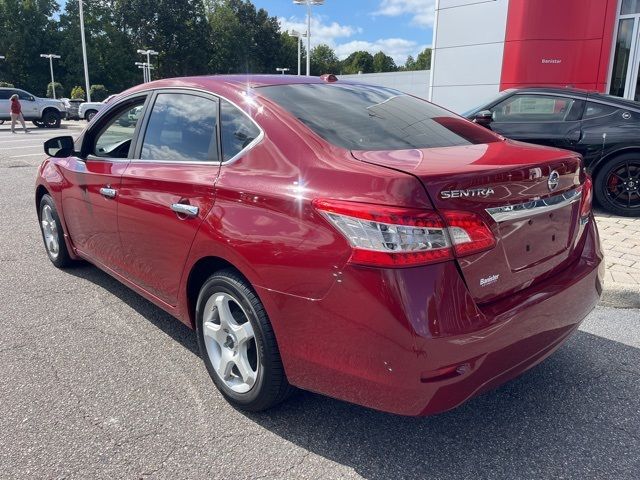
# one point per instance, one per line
(16, 114)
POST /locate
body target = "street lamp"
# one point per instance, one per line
(298, 35)
(309, 4)
(51, 56)
(282, 70)
(148, 53)
(146, 68)
(84, 52)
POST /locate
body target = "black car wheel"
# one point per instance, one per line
(618, 185)
(38, 123)
(90, 114)
(238, 345)
(51, 119)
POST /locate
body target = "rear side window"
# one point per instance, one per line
(595, 110)
(358, 117)
(181, 128)
(5, 94)
(237, 130)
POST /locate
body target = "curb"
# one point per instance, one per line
(620, 295)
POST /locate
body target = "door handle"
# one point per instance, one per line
(184, 209)
(108, 192)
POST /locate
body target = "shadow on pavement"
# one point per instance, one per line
(577, 415)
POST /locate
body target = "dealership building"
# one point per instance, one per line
(481, 47)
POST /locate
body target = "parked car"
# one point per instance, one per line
(342, 238)
(88, 110)
(73, 105)
(43, 112)
(603, 128)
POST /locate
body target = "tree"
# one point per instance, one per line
(27, 29)
(359, 61)
(422, 62)
(6, 84)
(98, 93)
(383, 63)
(77, 93)
(324, 60)
(244, 40)
(58, 87)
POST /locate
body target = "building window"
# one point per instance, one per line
(629, 7)
(621, 57)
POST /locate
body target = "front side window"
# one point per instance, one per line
(22, 95)
(114, 140)
(533, 108)
(182, 128)
(358, 117)
(237, 130)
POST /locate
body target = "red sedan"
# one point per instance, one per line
(341, 238)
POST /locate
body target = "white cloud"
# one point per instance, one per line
(335, 34)
(422, 11)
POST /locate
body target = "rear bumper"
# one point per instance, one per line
(413, 341)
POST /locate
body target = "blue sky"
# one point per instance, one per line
(398, 27)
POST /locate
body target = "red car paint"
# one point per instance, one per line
(413, 341)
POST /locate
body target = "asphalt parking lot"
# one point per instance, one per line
(96, 382)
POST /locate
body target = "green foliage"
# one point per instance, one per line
(192, 37)
(6, 84)
(422, 61)
(359, 61)
(58, 87)
(77, 93)
(324, 60)
(98, 93)
(383, 63)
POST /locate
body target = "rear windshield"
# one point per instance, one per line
(358, 117)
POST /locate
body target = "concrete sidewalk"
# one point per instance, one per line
(621, 243)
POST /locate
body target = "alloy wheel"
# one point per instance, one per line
(623, 185)
(230, 342)
(50, 232)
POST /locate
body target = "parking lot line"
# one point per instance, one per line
(39, 154)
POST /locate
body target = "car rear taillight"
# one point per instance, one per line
(387, 236)
(587, 198)
(469, 234)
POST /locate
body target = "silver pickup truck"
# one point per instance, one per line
(43, 112)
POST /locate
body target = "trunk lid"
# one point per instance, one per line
(528, 196)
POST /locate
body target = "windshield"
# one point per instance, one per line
(358, 117)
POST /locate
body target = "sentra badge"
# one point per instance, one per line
(473, 192)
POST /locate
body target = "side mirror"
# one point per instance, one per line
(484, 118)
(59, 147)
(31, 98)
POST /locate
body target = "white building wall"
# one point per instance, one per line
(415, 82)
(468, 44)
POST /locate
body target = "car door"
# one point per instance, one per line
(168, 188)
(30, 109)
(543, 119)
(5, 104)
(90, 199)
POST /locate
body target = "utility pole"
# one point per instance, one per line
(84, 52)
(282, 70)
(148, 53)
(298, 35)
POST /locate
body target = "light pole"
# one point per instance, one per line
(51, 56)
(282, 70)
(298, 35)
(309, 4)
(148, 53)
(143, 66)
(84, 52)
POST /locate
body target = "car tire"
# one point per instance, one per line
(617, 185)
(52, 119)
(89, 115)
(238, 345)
(52, 233)
(38, 123)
